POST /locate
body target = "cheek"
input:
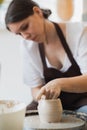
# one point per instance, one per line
(36, 28)
(40, 29)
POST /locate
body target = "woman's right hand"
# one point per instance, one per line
(51, 90)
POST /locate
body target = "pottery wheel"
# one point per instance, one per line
(68, 122)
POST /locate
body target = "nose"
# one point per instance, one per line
(26, 35)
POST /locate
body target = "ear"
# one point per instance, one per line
(37, 10)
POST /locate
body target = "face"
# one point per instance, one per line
(31, 28)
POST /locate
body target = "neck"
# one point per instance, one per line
(50, 32)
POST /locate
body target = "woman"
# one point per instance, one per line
(55, 62)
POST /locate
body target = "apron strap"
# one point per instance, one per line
(42, 54)
(64, 43)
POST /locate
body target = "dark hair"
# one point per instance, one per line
(21, 9)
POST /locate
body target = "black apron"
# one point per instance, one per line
(70, 101)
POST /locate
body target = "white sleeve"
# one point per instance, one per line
(82, 52)
(32, 64)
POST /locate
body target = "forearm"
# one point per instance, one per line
(53, 88)
(76, 84)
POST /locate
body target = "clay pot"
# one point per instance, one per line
(65, 9)
(50, 110)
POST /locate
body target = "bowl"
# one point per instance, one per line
(12, 114)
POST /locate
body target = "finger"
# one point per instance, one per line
(41, 92)
(43, 97)
(51, 95)
(47, 94)
(55, 96)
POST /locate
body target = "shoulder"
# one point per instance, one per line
(74, 33)
(28, 46)
(75, 28)
(84, 32)
(63, 28)
(30, 52)
(83, 39)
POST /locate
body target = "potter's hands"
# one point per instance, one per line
(51, 90)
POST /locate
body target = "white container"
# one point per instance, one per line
(12, 115)
(50, 110)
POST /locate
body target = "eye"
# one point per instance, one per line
(24, 27)
(18, 34)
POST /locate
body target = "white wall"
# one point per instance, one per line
(11, 68)
(52, 4)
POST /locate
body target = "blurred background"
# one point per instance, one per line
(11, 82)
